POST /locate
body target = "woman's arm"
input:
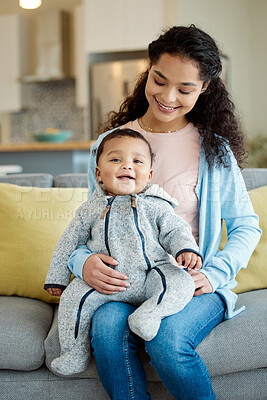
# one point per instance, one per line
(243, 236)
(78, 259)
(227, 199)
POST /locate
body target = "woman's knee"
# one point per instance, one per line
(180, 334)
(163, 349)
(110, 321)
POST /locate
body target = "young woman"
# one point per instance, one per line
(183, 109)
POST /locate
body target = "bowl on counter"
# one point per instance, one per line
(52, 135)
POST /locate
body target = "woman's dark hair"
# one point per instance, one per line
(122, 133)
(213, 113)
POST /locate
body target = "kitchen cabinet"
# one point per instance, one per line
(119, 25)
(14, 62)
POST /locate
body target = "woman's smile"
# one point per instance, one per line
(165, 107)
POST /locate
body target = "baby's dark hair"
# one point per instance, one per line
(117, 133)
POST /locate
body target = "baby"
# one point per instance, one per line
(135, 223)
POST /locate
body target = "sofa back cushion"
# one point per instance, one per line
(71, 180)
(38, 180)
(255, 275)
(32, 220)
(254, 177)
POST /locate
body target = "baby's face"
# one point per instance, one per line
(124, 166)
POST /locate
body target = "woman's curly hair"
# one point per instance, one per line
(213, 113)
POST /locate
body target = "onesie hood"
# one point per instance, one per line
(157, 191)
(153, 190)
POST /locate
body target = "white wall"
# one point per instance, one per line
(258, 65)
(239, 28)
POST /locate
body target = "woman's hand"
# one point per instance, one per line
(202, 284)
(102, 278)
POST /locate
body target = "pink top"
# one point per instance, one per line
(176, 167)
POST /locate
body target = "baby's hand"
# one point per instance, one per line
(54, 291)
(189, 260)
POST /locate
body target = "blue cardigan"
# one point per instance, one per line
(222, 195)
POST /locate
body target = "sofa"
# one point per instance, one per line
(235, 352)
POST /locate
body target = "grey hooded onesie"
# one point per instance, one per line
(138, 231)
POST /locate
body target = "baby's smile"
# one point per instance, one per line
(125, 177)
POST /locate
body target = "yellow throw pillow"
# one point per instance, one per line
(255, 275)
(31, 222)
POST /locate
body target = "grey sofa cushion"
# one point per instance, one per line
(243, 385)
(225, 350)
(41, 384)
(24, 327)
(71, 180)
(37, 180)
(239, 344)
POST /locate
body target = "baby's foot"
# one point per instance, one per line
(70, 363)
(145, 325)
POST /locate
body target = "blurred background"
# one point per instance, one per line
(65, 64)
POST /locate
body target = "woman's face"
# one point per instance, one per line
(172, 89)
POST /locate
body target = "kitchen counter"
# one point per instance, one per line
(53, 158)
(45, 146)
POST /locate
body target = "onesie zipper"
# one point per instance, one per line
(140, 232)
(164, 285)
(80, 311)
(163, 279)
(105, 215)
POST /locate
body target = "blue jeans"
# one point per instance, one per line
(172, 351)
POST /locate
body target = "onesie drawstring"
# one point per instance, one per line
(105, 212)
(133, 202)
